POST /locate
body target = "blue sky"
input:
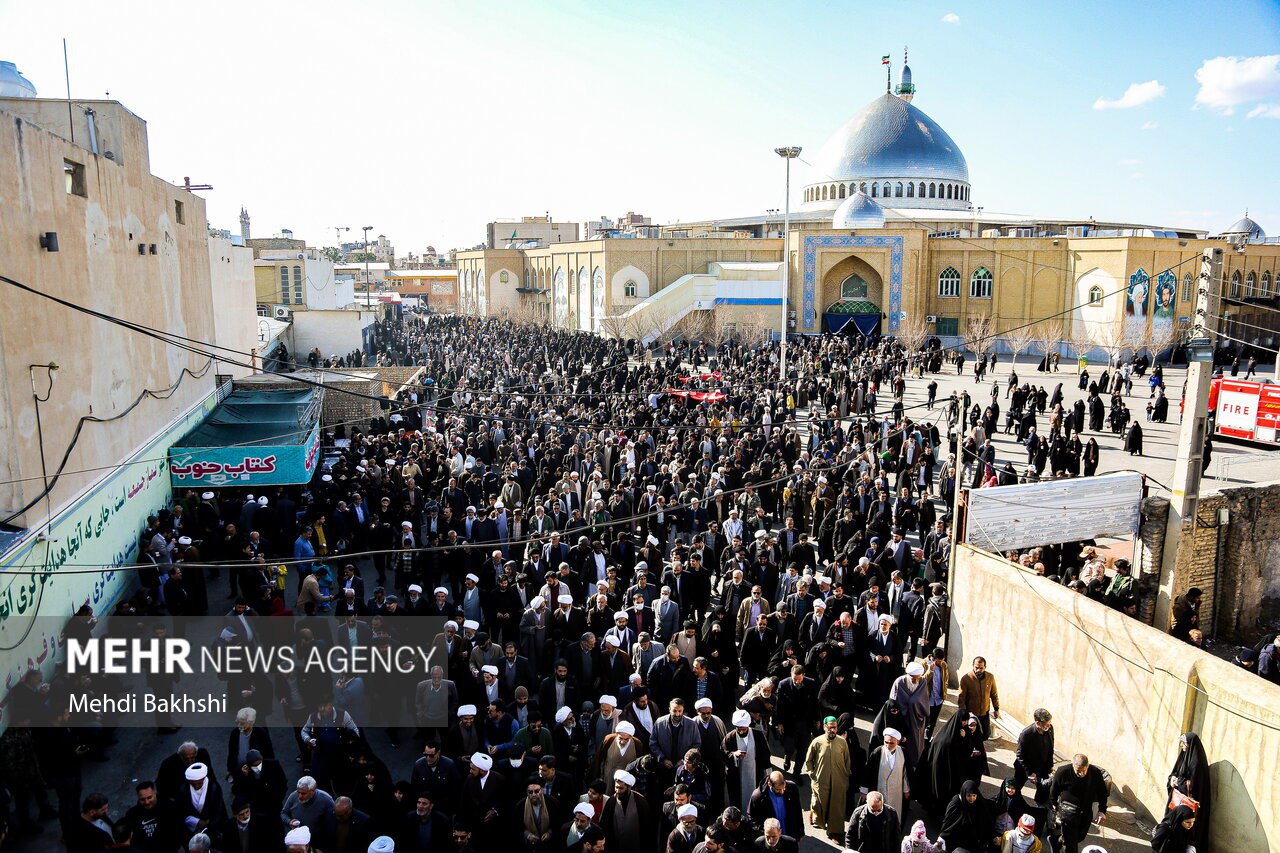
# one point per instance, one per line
(427, 119)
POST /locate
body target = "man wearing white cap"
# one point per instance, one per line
(471, 608)
(483, 801)
(626, 636)
(466, 736)
(687, 833)
(746, 758)
(910, 694)
(297, 840)
(627, 819)
(887, 771)
(617, 750)
(489, 683)
(572, 834)
(202, 807)
(533, 629)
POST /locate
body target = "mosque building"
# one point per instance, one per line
(887, 232)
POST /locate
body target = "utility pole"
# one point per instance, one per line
(1189, 467)
(788, 153)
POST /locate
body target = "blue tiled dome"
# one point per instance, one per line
(858, 211)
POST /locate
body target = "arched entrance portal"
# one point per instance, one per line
(852, 291)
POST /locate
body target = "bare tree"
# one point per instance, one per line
(978, 335)
(525, 312)
(1017, 340)
(913, 333)
(615, 326)
(1048, 334)
(756, 322)
(656, 322)
(1111, 339)
(1161, 338)
(1080, 341)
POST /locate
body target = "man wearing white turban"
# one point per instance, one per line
(298, 840)
(887, 771)
(484, 802)
(627, 819)
(382, 844)
(746, 759)
(910, 694)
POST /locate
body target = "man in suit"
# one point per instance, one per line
(514, 671)
(672, 737)
(352, 633)
(666, 613)
(750, 611)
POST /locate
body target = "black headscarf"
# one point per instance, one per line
(1014, 805)
(1192, 772)
(945, 759)
(1170, 837)
(835, 697)
(965, 824)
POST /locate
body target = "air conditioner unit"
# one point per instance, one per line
(932, 318)
(302, 256)
(283, 313)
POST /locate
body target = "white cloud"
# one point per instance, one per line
(1130, 162)
(1135, 96)
(951, 18)
(1227, 81)
(1265, 111)
(1150, 125)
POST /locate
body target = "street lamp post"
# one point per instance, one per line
(367, 283)
(788, 154)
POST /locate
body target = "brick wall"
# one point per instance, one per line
(1247, 591)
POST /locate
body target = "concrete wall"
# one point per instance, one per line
(235, 320)
(334, 332)
(1122, 693)
(104, 368)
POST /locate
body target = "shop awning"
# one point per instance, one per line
(253, 438)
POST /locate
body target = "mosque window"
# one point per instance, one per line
(842, 191)
(1186, 287)
(284, 285)
(1250, 286)
(1235, 284)
(824, 193)
(911, 190)
(1266, 286)
(297, 285)
(933, 190)
(947, 326)
(888, 189)
(1095, 295)
(629, 289)
(949, 283)
(863, 186)
(980, 284)
(875, 190)
(504, 276)
(950, 188)
(853, 287)
(897, 190)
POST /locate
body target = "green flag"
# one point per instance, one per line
(513, 235)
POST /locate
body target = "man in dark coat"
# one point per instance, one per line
(765, 802)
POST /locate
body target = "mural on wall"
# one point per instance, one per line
(1137, 297)
(482, 294)
(597, 299)
(1166, 298)
(584, 300)
(560, 298)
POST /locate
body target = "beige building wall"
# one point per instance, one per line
(1150, 688)
(114, 207)
(235, 316)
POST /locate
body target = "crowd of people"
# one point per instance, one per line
(671, 586)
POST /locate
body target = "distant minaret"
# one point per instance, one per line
(906, 89)
(244, 223)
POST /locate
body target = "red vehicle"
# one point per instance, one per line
(1245, 410)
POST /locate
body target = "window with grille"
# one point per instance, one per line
(980, 284)
(949, 283)
(948, 326)
(284, 285)
(297, 285)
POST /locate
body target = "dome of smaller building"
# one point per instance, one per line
(13, 84)
(858, 211)
(1247, 228)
